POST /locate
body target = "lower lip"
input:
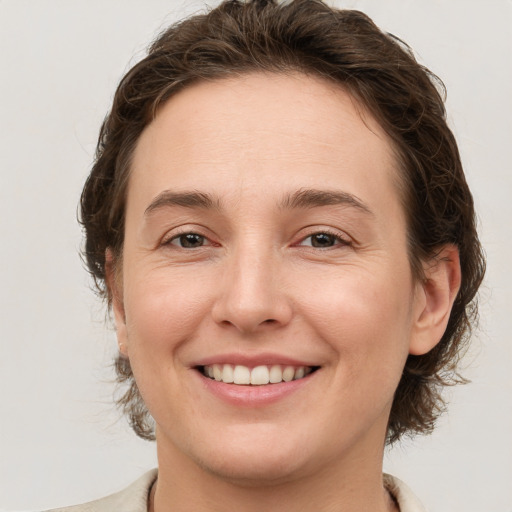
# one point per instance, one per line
(253, 396)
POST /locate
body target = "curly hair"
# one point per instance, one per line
(381, 73)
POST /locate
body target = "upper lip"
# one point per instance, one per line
(251, 360)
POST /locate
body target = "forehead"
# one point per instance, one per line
(244, 133)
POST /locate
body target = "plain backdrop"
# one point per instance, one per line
(61, 439)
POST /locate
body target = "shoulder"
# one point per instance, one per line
(132, 499)
(405, 498)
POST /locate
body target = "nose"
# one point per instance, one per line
(251, 295)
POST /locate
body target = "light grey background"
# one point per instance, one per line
(61, 441)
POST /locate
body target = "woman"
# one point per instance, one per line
(279, 219)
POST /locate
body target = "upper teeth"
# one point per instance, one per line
(258, 376)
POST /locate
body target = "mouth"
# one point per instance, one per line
(261, 375)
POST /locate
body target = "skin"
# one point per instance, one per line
(255, 284)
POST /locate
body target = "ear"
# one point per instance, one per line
(434, 299)
(115, 291)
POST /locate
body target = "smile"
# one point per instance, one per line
(256, 376)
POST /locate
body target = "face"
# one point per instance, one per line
(265, 244)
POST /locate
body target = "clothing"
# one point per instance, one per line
(405, 498)
(135, 497)
(132, 499)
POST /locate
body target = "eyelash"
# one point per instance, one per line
(177, 236)
(339, 240)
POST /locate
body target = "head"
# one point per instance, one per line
(342, 48)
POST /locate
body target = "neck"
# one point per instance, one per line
(352, 485)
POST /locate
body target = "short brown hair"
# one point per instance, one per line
(380, 71)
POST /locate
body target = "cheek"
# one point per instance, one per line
(163, 310)
(365, 317)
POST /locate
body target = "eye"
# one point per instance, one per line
(189, 241)
(323, 240)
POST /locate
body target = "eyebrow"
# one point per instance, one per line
(311, 198)
(191, 199)
(301, 199)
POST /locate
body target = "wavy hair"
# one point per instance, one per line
(381, 73)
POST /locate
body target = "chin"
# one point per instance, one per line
(260, 457)
(254, 471)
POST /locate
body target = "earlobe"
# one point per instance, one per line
(435, 299)
(115, 292)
